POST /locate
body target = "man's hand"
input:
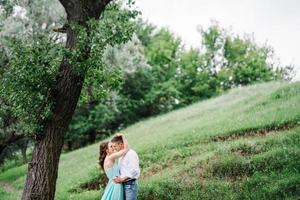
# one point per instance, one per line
(119, 179)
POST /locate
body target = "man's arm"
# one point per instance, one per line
(120, 179)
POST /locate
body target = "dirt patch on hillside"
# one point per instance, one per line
(7, 187)
(260, 132)
(95, 184)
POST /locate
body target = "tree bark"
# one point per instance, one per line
(43, 168)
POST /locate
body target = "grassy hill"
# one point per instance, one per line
(244, 144)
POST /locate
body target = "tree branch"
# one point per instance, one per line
(81, 10)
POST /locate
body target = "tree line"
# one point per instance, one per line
(159, 74)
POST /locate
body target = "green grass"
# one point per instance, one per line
(181, 160)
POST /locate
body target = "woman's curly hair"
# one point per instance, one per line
(102, 154)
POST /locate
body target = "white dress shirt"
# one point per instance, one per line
(129, 165)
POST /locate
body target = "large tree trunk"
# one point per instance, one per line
(43, 168)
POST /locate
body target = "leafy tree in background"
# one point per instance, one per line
(137, 82)
(225, 61)
(198, 68)
(240, 60)
(162, 53)
(249, 63)
(190, 67)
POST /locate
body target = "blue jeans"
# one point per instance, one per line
(130, 190)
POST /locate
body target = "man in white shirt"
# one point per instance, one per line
(129, 170)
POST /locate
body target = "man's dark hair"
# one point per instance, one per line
(117, 139)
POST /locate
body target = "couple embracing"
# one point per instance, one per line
(121, 166)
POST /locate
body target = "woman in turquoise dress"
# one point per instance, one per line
(109, 162)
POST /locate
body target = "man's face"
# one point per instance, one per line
(118, 146)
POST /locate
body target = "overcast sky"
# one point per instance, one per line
(276, 22)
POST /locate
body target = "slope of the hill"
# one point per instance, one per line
(244, 144)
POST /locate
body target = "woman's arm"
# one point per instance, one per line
(121, 152)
